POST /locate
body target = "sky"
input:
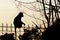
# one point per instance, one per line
(8, 11)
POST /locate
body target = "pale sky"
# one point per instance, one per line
(8, 11)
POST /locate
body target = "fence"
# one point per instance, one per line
(10, 29)
(6, 29)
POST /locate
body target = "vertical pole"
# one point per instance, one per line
(19, 30)
(32, 26)
(6, 27)
(56, 10)
(2, 28)
(28, 27)
(51, 10)
(48, 19)
(11, 27)
(52, 16)
(15, 34)
(50, 7)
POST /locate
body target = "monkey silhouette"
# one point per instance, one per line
(17, 21)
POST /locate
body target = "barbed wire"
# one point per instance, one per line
(35, 2)
(34, 17)
(31, 16)
(26, 2)
(32, 9)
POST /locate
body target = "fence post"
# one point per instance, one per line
(32, 26)
(11, 27)
(28, 27)
(15, 34)
(2, 28)
(6, 28)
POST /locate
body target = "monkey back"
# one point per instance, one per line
(17, 21)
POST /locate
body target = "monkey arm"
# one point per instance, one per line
(23, 23)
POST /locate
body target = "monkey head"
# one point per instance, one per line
(21, 14)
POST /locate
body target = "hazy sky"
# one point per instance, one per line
(8, 11)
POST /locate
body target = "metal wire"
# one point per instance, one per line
(32, 9)
(27, 14)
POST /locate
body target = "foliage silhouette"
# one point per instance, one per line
(58, 1)
(17, 21)
(7, 36)
(52, 32)
(30, 34)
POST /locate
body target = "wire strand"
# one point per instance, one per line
(26, 2)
